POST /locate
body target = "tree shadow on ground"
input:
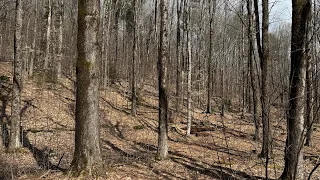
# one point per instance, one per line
(140, 156)
(212, 171)
(42, 157)
(4, 119)
(143, 154)
(113, 106)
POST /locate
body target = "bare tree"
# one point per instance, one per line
(15, 130)
(178, 56)
(87, 154)
(189, 62)
(294, 168)
(48, 37)
(266, 145)
(212, 10)
(162, 75)
(134, 58)
(33, 46)
(252, 71)
(60, 40)
(263, 51)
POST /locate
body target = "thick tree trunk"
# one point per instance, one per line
(294, 168)
(15, 128)
(162, 75)
(87, 154)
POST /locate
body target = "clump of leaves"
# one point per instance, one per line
(4, 79)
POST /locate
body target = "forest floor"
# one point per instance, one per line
(219, 148)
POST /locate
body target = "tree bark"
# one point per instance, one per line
(60, 39)
(48, 38)
(15, 129)
(189, 98)
(134, 57)
(294, 168)
(87, 155)
(178, 66)
(34, 51)
(252, 72)
(266, 129)
(212, 10)
(162, 152)
(309, 88)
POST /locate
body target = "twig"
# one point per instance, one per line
(59, 161)
(313, 170)
(45, 174)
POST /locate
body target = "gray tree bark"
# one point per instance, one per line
(60, 39)
(252, 71)
(15, 128)
(33, 46)
(263, 51)
(212, 10)
(309, 88)
(189, 58)
(87, 155)
(294, 168)
(48, 37)
(134, 57)
(178, 55)
(162, 152)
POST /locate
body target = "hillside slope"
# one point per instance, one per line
(219, 148)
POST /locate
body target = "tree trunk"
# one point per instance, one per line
(257, 30)
(87, 155)
(26, 51)
(60, 39)
(48, 38)
(178, 66)
(315, 58)
(189, 98)
(15, 129)
(294, 168)
(266, 130)
(33, 48)
(309, 88)
(162, 74)
(252, 72)
(134, 57)
(212, 10)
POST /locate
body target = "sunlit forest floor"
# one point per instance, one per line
(219, 147)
